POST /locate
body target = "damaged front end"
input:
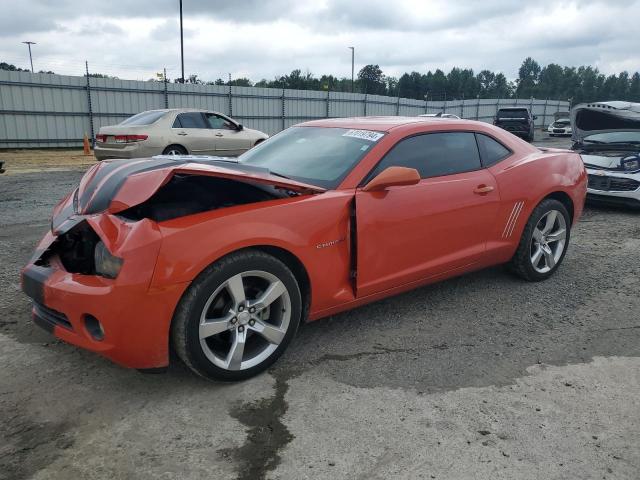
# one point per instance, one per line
(607, 136)
(91, 275)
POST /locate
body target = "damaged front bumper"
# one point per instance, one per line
(123, 319)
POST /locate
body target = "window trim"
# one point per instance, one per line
(368, 177)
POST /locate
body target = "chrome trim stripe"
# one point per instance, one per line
(506, 227)
(513, 218)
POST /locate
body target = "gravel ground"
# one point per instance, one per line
(482, 376)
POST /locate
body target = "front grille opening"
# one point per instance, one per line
(613, 184)
(75, 250)
(51, 317)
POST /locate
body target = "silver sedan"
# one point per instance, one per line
(175, 132)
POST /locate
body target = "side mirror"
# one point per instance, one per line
(392, 177)
(239, 127)
(535, 117)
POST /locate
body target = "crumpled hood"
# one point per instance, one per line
(112, 186)
(603, 117)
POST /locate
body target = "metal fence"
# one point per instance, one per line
(45, 110)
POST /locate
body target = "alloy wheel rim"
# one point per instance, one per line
(245, 320)
(548, 241)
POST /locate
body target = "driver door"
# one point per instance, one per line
(409, 233)
(190, 130)
(230, 141)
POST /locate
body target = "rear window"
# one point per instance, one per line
(144, 118)
(513, 113)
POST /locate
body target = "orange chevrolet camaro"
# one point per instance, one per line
(221, 259)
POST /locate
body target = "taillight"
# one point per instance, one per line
(130, 138)
(100, 138)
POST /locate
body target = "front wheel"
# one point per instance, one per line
(544, 242)
(237, 317)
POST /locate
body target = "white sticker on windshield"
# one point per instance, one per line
(364, 135)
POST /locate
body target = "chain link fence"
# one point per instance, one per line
(46, 110)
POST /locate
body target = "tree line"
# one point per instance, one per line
(553, 81)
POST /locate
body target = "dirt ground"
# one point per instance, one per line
(482, 376)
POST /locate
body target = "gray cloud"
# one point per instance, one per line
(261, 39)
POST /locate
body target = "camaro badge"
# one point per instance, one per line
(329, 243)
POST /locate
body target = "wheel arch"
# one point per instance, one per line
(292, 261)
(565, 200)
(175, 145)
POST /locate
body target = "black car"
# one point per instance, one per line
(517, 120)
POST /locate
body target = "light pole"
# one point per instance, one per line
(353, 53)
(181, 45)
(30, 58)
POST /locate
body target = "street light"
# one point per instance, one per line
(181, 45)
(30, 58)
(353, 53)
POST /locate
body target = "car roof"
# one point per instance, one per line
(524, 107)
(383, 124)
(181, 110)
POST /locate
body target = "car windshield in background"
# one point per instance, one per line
(314, 155)
(614, 137)
(144, 118)
(521, 113)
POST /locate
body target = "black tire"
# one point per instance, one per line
(186, 321)
(177, 149)
(521, 263)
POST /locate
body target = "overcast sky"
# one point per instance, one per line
(264, 38)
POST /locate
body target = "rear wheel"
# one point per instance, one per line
(237, 317)
(174, 150)
(544, 242)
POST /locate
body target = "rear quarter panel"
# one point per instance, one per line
(524, 181)
(314, 228)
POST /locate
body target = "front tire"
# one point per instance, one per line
(237, 317)
(544, 242)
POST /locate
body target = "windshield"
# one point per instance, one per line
(314, 155)
(144, 118)
(614, 137)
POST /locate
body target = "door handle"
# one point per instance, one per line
(181, 133)
(483, 189)
(219, 135)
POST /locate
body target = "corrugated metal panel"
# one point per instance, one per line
(39, 110)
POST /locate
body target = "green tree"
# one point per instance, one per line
(371, 80)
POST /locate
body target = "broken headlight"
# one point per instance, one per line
(107, 265)
(630, 164)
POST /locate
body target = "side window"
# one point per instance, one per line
(491, 151)
(217, 122)
(434, 154)
(190, 120)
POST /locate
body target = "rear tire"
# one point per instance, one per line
(237, 317)
(544, 242)
(175, 150)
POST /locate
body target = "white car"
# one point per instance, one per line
(177, 131)
(440, 115)
(561, 126)
(607, 136)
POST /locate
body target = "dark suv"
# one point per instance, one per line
(517, 120)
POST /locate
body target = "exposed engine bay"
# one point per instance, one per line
(188, 194)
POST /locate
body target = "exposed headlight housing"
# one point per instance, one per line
(630, 164)
(107, 265)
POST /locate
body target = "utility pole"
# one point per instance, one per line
(30, 57)
(181, 44)
(353, 54)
